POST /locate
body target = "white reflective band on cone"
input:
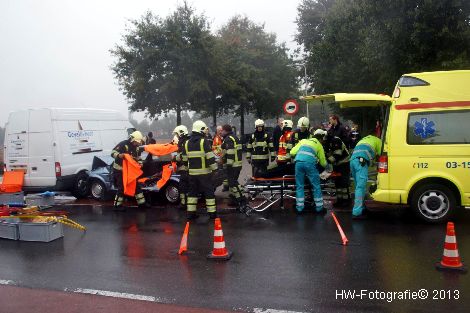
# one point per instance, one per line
(451, 239)
(219, 245)
(218, 233)
(451, 253)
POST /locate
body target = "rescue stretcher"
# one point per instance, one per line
(263, 193)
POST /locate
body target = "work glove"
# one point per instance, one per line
(362, 161)
(273, 158)
(249, 161)
(332, 159)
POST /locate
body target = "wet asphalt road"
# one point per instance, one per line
(281, 261)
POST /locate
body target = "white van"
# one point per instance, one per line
(55, 147)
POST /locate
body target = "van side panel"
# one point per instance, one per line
(41, 150)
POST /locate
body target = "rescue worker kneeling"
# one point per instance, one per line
(232, 158)
(129, 146)
(307, 153)
(201, 163)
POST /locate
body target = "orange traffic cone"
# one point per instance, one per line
(451, 259)
(184, 240)
(219, 252)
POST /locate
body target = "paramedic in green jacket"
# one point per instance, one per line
(307, 153)
(365, 151)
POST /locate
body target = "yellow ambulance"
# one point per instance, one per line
(425, 159)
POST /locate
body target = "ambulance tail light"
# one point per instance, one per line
(396, 93)
(58, 169)
(383, 164)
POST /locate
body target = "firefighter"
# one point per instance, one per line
(182, 134)
(232, 159)
(308, 153)
(302, 132)
(366, 150)
(285, 144)
(129, 146)
(201, 163)
(217, 148)
(260, 149)
(338, 156)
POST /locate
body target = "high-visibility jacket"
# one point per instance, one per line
(285, 145)
(368, 148)
(180, 160)
(309, 150)
(232, 151)
(124, 147)
(260, 147)
(217, 145)
(199, 155)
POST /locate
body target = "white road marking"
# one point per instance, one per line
(114, 294)
(258, 310)
(7, 282)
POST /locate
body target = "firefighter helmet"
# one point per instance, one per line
(180, 130)
(259, 123)
(199, 127)
(303, 122)
(136, 137)
(287, 124)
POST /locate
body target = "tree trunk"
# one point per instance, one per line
(178, 114)
(242, 121)
(214, 114)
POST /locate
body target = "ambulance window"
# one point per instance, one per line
(443, 127)
(409, 81)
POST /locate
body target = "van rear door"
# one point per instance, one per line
(16, 143)
(41, 149)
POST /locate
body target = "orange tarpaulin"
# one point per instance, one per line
(166, 173)
(12, 181)
(160, 149)
(130, 172)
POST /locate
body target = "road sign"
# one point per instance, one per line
(291, 107)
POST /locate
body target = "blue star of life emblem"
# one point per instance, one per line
(424, 129)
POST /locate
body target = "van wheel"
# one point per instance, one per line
(98, 190)
(433, 203)
(80, 188)
(171, 193)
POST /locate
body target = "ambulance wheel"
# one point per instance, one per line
(433, 203)
(98, 190)
(80, 188)
(171, 193)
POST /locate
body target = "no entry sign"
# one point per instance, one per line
(291, 107)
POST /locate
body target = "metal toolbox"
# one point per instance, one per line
(44, 232)
(8, 230)
(12, 198)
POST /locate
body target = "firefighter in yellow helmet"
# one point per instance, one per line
(260, 149)
(201, 163)
(129, 146)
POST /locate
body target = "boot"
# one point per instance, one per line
(119, 208)
(144, 205)
(212, 215)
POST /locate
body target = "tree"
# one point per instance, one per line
(366, 45)
(164, 63)
(257, 75)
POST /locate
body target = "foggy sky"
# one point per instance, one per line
(56, 53)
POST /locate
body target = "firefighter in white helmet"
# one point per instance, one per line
(182, 135)
(260, 149)
(302, 132)
(128, 146)
(201, 163)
